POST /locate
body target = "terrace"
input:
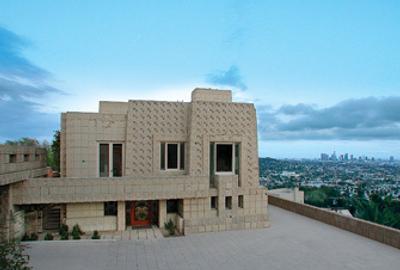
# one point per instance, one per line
(292, 242)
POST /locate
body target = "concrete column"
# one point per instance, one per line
(162, 213)
(121, 216)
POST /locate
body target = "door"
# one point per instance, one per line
(141, 213)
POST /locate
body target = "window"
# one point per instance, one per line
(212, 156)
(214, 202)
(240, 201)
(237, 163)
(182, 155)
(110, 208)
(172, 206)
(26, 157)
(13, 158)
(225, 158)
(172, 156)
(228, 202)
(237, 159)
(117, 160)
(162, 157)
(114, 160)
(37, 157)
(104, 160)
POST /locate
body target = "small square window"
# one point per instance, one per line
(110, 208)
(228, 202)
(214, 201)
(240, 201)
(172, 206)
(13, 158)
(26, 157)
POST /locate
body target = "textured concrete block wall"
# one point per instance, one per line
(90, 217)
(113, 107)
(148, 124)
(82, 134)
(200, 217)
(37, 158)
(64, 190)
(367, 229)
(201, 94)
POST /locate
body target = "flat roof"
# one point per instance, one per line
(292, 242)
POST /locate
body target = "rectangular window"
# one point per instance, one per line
(237, 163)
(162, 157)
(172, 156)
(224, 158)
(37, 157)
(228, 202)
(214, 202)
(237, 158)
(13, 158)
(110, 208)
(212, 156)
(104, 160)
(172, 206)
(240, 201)
(182, 156)
(26, 157)
(117, 160)
(110, 160)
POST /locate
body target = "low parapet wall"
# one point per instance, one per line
(383, 234)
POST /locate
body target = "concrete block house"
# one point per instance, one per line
(142, 163)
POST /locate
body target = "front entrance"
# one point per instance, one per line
(141, 213)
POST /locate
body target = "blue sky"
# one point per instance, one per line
(324, 75)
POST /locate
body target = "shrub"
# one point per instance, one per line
(64, 236)
(76, 232)
(96, 235)
(25, 237)
(75, 235)
(77, 229)
(170, 227)
(48, 237)
(63, 229)
(12, 256)
(34, 237)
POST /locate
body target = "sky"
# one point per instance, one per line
(324, 75)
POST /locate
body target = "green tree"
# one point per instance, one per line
(53, 154)
(376, 209)
(24, 141)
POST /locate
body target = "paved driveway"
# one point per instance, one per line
(292, 242)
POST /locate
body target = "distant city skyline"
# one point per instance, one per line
(350, 157)
(323, 76)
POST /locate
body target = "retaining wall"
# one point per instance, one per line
(383, 234)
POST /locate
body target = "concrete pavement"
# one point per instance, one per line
(292, 242)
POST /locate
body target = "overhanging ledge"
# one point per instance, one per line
(69, 190)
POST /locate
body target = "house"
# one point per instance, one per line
(143, 163)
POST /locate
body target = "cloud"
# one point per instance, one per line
(24, 88)
(354, 119)
(230, 77)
